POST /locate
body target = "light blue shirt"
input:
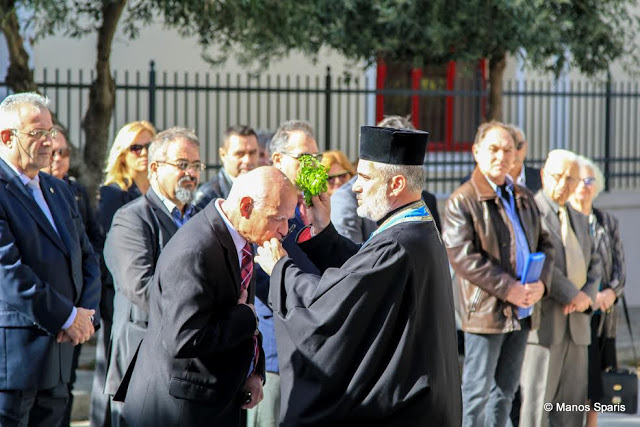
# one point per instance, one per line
(36, 191)
(522, 246)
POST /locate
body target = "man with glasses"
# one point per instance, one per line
(239, 155)
(138, 233)
(554, 371)
(49, 273)
(293, 139)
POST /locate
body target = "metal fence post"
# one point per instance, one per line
(607, 134)
(327, 110)
(152, 92)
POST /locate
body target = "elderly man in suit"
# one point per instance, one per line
(239, 155)
(139, 232)
(49, 273)
(554, 370)
(201, 360)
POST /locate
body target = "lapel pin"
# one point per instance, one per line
(51, 189)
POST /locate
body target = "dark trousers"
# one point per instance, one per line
(30, 408)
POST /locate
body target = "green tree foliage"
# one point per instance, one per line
(550, 34)
(79, 18)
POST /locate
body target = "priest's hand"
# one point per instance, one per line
(319, 215)
(269, 254)
(253, 385)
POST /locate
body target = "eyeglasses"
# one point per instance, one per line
(62, 152)
(333, 178)
(183, 165)
(589, 181)
(558, 177)
(137, 148)
(519, 145)
(297, 156)
(39, 134)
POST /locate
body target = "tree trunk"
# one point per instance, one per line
(101, 99)
(497, 64)
(19, 75)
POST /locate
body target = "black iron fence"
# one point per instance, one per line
(596, 119)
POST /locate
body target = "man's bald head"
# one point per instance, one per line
(260, 203)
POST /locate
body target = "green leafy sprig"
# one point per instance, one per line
(312, 178)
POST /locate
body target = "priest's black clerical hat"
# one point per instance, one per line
(393, 146)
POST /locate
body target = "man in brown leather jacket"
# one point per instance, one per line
(491, 226)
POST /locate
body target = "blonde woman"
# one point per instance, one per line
(126, 179)
(339, 167)
(126, 171)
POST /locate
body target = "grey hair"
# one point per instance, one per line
(11, 105)
(415, 174)
(560, 155)
(517, 129)
(160, 143)
(584, 162)
(396, 122)
(280, 140)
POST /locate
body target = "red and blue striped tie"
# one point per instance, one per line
(246, 270)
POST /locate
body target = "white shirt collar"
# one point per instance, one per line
(238, 240)
(165, 201)
(522, 179)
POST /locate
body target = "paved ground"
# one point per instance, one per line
(625, 358)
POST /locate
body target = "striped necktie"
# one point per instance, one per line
(246, 270)
(246, 266)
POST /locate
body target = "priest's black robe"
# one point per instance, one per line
(372, 341)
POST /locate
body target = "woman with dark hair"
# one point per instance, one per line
(606, 234)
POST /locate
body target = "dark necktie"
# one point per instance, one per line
(504, 193)
(246, 266)
(246, 270)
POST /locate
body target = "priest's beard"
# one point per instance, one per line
(375, 205)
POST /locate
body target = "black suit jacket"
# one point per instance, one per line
(217, 187)
(138, 233)
(196, 355)
(43, 275)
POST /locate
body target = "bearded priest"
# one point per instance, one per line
(371, 341)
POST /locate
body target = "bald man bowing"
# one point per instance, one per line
(372, 341)
(201, 359)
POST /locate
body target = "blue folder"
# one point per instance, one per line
(530, 274)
